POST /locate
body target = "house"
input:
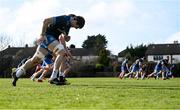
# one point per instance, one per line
(156, 52)
(81, 54)
(11, 57)
(17, 51)
(84, 55)
(121, 56)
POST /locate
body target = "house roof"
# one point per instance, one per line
(12, 51)
(83, 52)
(122, 53)
(163, 49)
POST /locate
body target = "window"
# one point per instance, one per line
(158, 57)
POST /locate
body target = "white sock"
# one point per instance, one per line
(32, 76)
(20, 72)
(54, 74)
(41, 77)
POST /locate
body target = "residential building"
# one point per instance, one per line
(156, 52)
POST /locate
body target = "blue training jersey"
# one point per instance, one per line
(61, 24)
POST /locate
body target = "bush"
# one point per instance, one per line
(82, 70)
(99, 67)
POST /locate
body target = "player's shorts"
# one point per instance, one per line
(48, 40)
(157, 68)
(169, 73)
(123, 68)
(135, 69)
(46, 62)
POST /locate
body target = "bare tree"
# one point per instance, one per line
(5, 40)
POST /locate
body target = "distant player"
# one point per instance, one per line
(171, 74)
(134, 71)
(157, 70)
(124, 68)
(142, 68)
(164, 70)
(160, 69)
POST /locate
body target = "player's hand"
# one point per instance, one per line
(40, 39)
(61, 39)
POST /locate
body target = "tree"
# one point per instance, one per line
(103, 57)
(5, 40)
(97, 42)
(135, 52)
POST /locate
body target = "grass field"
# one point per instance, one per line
(91, 93)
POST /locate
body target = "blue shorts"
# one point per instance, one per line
(157, 69)
(135, 69)
(46, 62)
(49, 39)
(123, 68)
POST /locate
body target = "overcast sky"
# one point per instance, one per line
(123, 22)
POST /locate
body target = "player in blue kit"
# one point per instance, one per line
(134, 70)
(124, 68)
(157, 70)
(54, 29)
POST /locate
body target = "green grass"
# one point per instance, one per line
(91, 93)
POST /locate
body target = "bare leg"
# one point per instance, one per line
(57, 49)
(36, 74)
(36, 59)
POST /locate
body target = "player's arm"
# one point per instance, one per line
(63, 42)
(46, 23)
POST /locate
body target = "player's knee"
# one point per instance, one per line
(38, 56)
(36, 60)
(59, 49)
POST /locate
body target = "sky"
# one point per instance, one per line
(123, 22)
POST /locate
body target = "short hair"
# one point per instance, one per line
(72, 15)
(80, 21)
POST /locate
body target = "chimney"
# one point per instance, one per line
(176, 42)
